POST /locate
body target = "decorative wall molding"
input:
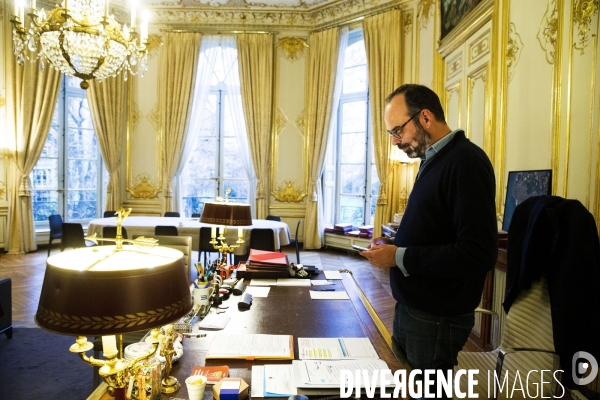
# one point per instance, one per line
(287, 192)
(135, 116)
(407, 21)
(292, 48)
(300, 122)
(513, 50)
(143, 188)
(2, 190)
(154, 117)
(2, 101)
(454, 66)
(479, 48)
(280, 120)
(154, 43)
(583, 11)
(425, 10)
(548, 31)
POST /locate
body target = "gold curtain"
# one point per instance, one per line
(255, 59)
(178, 65)
(321, 71)
(31, 99)
(383, 48)
(107, 100)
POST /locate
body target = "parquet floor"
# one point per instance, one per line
(27, 274)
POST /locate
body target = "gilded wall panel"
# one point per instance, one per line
(513, 51)
(478, 113)
(453, 104)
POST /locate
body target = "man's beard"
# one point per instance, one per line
(423, 139)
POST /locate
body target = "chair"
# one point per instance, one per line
(181, 243)
(108, 214)
(111, 232)
(166, 230)
(6, 307)
(55, 229)
(204, 245)
(527, 344)
(273, 218)
(262, 239)
(295, 242)
(172, 214)
(72, 236)
(196, 215)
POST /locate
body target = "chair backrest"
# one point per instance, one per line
(72, 235)
(166, 230)
(181, 243)
(262, 239)
(55, 221)
(273, 218)
(297, 230)
(108, 214)
(172, 214)
(111, 232)
(196, 215)
(204, 241)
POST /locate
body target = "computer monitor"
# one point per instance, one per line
(522, 185)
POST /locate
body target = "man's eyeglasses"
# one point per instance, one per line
(397, 131)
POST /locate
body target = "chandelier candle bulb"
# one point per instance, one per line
(240, 232)
(33, 4)
(106, 9)
(133, 6)
(213, 231)
(16, 4)
(221, 229)
(109, 345)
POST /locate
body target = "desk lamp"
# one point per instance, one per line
(107, 291)
(223, 214)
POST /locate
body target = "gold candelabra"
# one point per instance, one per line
(139, 241)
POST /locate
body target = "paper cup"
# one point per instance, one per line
(202, 296)
(195, 386)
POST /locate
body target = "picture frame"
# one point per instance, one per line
(520, 186)
(453, 11)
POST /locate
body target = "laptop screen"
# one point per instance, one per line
(522, 185)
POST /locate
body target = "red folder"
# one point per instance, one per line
(267, 257)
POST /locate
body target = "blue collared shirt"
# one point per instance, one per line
(430, 152)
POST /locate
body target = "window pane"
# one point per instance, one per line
(83, 174)
(79, 113)
(355, 79)
(354, 116)
(351, 210)
(82, 204)
(45, 203)
(239, 190)
(232, 163)
(82, 144)
(51, 145)
(352, 179)
(353, 148)
(45, 174)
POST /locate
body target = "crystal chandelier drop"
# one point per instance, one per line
(80, 39)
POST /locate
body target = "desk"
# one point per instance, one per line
(191, 227)
(286, 311)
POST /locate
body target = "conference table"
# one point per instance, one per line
(285, 311)
(144, 226)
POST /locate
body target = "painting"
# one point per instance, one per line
(453, 12)
(523, 185)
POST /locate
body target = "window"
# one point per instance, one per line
(215, 164)
(67, 178)
(355, 183)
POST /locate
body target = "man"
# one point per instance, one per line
(448, 238)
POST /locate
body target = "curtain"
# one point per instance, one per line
(178, 65)
(321, 69)
(31, 99)
(107, 100)
(383, 48)
(255, 60)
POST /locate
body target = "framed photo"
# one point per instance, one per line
(453, 12)
(522, 185)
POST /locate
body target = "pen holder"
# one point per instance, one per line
(202, 295)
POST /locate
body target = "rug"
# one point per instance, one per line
(36, 364)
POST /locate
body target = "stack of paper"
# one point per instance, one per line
(261, 260)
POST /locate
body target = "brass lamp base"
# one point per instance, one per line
(170, 385)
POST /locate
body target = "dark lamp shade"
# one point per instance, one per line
(229, 214)
(101, 291)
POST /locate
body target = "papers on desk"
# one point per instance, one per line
(263, 282)
(313, 374)
(322, 295)
(335, 349)
(214, 321)
(332, 274)
(277, 380)
(321, 282)
(258, 291)
(293, 282)
(250, 347)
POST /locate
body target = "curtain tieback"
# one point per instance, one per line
(382, 196)
(313, 189)
(260, 189)
(25, 186)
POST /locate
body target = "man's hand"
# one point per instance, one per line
(381, 253)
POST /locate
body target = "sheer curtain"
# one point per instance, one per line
(207, 59)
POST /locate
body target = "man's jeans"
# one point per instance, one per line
(430, 341)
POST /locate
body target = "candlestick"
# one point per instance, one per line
(213, 231)
(109, 345)
(106, 9)
(16, 4)
(221, 229)
(240, 232)
(133, 6)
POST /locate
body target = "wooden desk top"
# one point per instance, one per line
(286, 311)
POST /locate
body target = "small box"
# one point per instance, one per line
(229, 394)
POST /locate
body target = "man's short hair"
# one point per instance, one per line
(419, 97)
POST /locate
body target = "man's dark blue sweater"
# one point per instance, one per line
(450, 232)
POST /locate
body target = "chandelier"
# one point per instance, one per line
(79, 38)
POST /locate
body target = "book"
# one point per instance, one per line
(213, 374)
(366, 228)
(251, 347)
(343, 227)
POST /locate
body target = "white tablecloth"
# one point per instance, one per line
(191, 227)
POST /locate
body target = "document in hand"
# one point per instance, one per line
(313, 374)
(251, 347)
(336, 349)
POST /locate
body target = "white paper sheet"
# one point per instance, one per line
(336, 348)
(321, 295)
(326, 373)
(279, 380)
(214, 321)
(258, 375)
(258, 291)
(332, 274)
(263, 282)
(293, 282)
(249, 345)
(321, 282)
